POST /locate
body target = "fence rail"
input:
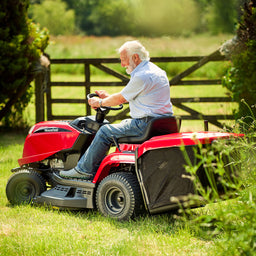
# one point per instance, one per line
(177, 80)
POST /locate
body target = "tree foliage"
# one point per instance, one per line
(21, 43)
(139, 17)
(112, 17)
(241, 77)
(54, 15)
(222, 16)
(83, 10)
(218, 16)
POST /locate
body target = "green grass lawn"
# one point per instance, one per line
(229, 227)
(30, 230)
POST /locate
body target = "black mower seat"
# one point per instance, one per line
(156, 127)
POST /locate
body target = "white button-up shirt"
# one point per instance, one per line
(148, 91)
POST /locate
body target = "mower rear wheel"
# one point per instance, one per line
(24, 185)
(118, 196)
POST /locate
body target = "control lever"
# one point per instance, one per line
(115, 142)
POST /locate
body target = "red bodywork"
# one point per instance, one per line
(164, 141)
(182, 139)
(113, 160)
(60, 135)
(39, 146)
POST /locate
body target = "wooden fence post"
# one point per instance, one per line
(39, 93)
(87, 87)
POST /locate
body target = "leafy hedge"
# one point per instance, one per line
(21, 43)
(241, 77)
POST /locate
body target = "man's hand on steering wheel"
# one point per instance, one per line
(94, 101)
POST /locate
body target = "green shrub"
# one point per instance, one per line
(234, 220)
(22, 44)
(241, 77)
(230, 223)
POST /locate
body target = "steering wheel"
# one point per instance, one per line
(91, 95)
(102, 111)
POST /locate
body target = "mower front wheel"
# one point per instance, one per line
(24, 185)
(118, 196)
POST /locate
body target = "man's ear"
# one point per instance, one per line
(136, 59)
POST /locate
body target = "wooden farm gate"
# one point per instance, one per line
(192, 114)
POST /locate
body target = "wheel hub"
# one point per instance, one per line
(25, 190)
(120, 199)
(115, 200)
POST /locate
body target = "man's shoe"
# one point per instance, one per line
(75, 174)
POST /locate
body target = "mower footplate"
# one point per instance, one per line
(67, 197)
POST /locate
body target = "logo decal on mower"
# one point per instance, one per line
(51, 129)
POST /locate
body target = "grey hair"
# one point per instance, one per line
(135, 47)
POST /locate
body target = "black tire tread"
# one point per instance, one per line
(131, 183)
(34, 175)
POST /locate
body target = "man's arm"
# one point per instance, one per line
(111, 100)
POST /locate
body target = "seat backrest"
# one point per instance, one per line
(156, 127)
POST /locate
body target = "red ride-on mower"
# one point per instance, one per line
(144, 173)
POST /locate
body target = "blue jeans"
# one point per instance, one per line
(91, 159)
